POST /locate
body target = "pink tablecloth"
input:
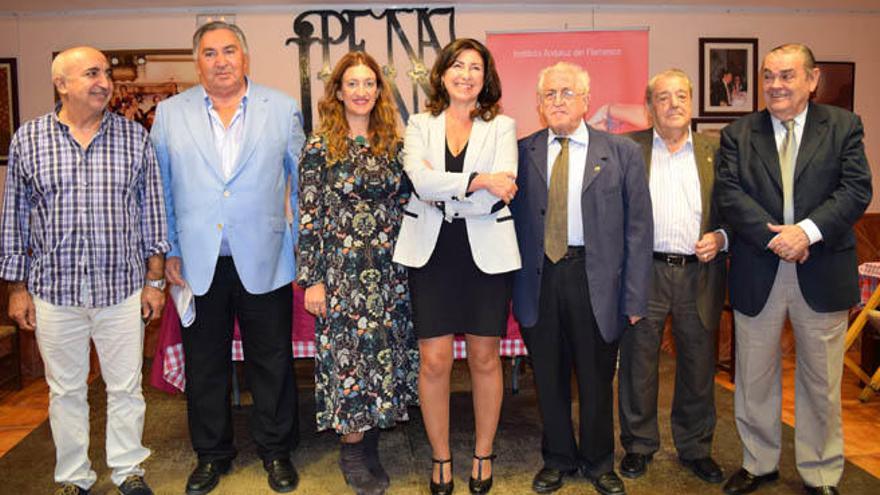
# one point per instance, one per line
(167, 373)
(869, 278)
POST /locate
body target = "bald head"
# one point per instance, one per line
(82, 77)
(63, 61)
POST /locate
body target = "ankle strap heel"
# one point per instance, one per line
(479, 485)
(442, 487)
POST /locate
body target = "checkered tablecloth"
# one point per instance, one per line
(168, 371)
(869, 278)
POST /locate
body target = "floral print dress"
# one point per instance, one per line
(366, 357)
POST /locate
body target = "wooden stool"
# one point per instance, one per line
(10, 357)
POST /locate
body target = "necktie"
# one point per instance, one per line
(786, 168)
(556, 225)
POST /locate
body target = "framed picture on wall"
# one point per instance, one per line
(711, 126)
(837, 81)
(144, 77)
(728, 76)
(8, 105)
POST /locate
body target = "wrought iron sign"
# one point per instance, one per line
(328, 28)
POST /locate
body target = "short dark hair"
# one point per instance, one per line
(487, 101)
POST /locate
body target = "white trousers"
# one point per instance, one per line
(63, 335)
(758, 398)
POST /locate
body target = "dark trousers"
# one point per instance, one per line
(265, 322)
(673, 291)
(566, 335)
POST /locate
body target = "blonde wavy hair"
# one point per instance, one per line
(384, 132)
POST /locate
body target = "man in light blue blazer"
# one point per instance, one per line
(227, 148)
(583, 222)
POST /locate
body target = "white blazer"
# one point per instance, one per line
(491, 148)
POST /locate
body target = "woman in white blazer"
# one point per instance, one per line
(458, 239)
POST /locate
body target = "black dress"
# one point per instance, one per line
(450, 294)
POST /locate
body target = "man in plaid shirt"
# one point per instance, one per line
(82, 243)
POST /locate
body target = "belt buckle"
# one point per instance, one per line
(675, 260)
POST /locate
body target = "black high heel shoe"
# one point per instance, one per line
(479, 485)
(442, 487)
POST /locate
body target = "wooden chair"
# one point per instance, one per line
(10, 356)
(852, 333)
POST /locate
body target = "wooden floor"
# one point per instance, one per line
(24, 410)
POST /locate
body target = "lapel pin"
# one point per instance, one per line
(597, 168)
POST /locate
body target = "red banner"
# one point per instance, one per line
(616, 60)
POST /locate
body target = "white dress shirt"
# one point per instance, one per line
(578, 142)
(675, 197)
(809, 227)
(227, 141)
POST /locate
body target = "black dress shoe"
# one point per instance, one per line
(282, 475)
(549, 480)
(609, 484)
(206, 475)
(743, 481)
(705, 468)
(822, 490)
(634, 465)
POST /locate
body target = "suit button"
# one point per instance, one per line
(226, 194)
(542, 212)
(538, 271)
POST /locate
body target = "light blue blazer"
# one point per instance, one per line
(491, 148)
(202, 204)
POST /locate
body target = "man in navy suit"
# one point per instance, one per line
(586, 243)
(227, 148)
(792, 181)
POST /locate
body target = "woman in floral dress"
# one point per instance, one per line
(351, 198)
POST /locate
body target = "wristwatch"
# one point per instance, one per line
(158, 283)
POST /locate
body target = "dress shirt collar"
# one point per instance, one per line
(660, 144)
(799, 120)
(244, 99)
(105, 120)
(580, 135)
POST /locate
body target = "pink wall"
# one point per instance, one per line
(673, 42)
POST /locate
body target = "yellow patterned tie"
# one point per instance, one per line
(786, 169)
(556, 225)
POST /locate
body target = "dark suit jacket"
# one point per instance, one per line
(832, 187)
(718, 94)
(711, 286)
(618, 229)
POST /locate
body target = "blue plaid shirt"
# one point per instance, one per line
(78, 224)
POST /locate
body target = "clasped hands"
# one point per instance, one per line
(790, 243)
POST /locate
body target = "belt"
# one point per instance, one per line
(573, 252)
(673, 259)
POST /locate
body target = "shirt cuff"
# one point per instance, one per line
(726, 242)
(811, 230)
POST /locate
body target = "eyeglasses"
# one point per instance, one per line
(566, 95)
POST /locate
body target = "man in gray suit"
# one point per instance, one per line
(792, 181)
(583, 220)
(687, 283)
